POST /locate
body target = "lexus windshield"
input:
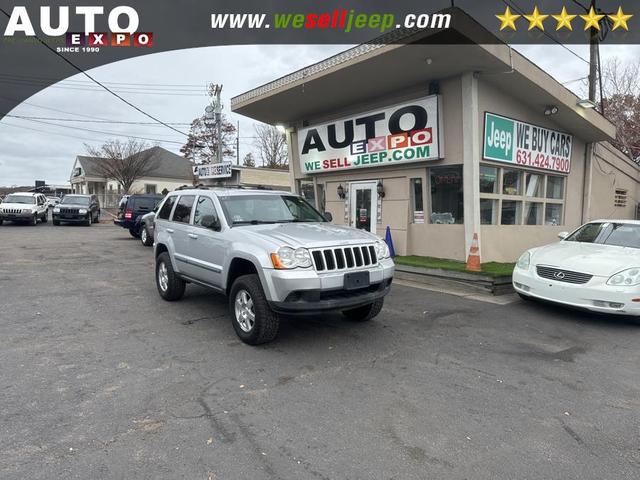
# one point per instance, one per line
(75, 200)
(608, 233)
(256, 209)
(27, 200)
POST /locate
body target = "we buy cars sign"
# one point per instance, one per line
(512, 141)
(401, 133)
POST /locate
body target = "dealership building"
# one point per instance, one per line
(442, 142)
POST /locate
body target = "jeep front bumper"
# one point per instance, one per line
(305, 290)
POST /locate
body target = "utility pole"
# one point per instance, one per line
(593, 59)
(238, 144)
(213, 119)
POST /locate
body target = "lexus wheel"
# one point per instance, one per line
(253, 319)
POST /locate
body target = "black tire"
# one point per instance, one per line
(56, 222)
(365, 313)
(45, 217)
(96, 218)
(145, 237)
(133, 233)
(88, 221)
(524, 297)
(265, 321)
(1, 221)
(174, 288)
(34, 220)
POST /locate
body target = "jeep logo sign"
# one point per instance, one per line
(401, 133)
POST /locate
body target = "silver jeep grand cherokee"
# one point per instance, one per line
(270, 253)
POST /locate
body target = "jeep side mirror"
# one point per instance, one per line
(328, 217)
(563, 235)
(210, 221)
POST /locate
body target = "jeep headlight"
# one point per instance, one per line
(524, 261)
(27, 210)
(56, 209)
(382, 249)
(82, 211)
(287, 257)
(626, 278)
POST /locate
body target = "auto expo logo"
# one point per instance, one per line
(123, 22)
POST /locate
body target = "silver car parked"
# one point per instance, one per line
(271, 253)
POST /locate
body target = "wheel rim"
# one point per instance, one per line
(245, 314)
(163, 277)
(143, 235)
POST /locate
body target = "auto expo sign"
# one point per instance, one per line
(527, 145)
(402, 133)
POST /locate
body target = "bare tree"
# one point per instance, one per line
(272, 146)
(123, 161)
(248, 160)
(202, 144)
(621, 103)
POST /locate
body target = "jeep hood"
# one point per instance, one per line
(309, 235)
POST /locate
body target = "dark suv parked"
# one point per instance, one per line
(131, 213)
(77, 209)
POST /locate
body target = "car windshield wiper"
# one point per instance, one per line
(252, 222)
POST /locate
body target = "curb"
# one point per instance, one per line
(447, 278)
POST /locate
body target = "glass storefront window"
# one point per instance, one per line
(553, 214)
(488, 179)
(534, 184)
(446, 195)
(305, 188)
(511, 212)
(533, 213)
(511, 182)
(555, 187)
(488, 211)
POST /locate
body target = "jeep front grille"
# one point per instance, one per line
(560, 275)
(12, 210)
(71, 211)
(343, 258)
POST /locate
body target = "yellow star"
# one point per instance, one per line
(508, 20)
(591, 20)
(564, 19)
(620, 19)
(536, 19)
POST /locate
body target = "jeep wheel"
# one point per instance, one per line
(170, 286)
(88, 221)
(133, 233)
(96, 219)
(253, 319)
(1, 221)
(34, 220)
(365, 313)
(56, 222)
(145, 237)
(45, 217)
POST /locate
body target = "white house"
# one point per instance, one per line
(171, 171)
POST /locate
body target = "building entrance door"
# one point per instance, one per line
(364, 207)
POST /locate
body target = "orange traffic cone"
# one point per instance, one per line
(473, 261)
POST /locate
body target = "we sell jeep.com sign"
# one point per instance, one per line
(527, 145)
(402, 133)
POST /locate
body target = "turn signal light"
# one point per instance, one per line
(277, 264)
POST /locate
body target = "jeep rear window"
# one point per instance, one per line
(253, 209)
(143, 203)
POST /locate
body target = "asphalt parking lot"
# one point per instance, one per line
(102, 379)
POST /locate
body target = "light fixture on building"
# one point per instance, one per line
(586, 103)
(340, 190)
(281, 128)
(550, 110)
(380, 189)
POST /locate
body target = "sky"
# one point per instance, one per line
(172, 86)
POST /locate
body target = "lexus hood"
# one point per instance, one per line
(591, 258)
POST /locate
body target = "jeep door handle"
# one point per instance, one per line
(169, 230)
(193, 235)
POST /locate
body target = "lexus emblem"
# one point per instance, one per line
(559, 275)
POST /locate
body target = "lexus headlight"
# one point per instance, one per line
(524, 261)
(382, 250)
(287, 257)
(56, 209)
(626, 278)
(82, 211)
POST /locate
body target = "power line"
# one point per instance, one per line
(123, 122)
(512, 4)
(36, 77)
(69, 62)
(87, 88)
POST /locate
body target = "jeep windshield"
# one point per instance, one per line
(27, 200)
(74, 200)
(259, 209)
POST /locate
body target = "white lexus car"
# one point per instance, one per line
(597, 267)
